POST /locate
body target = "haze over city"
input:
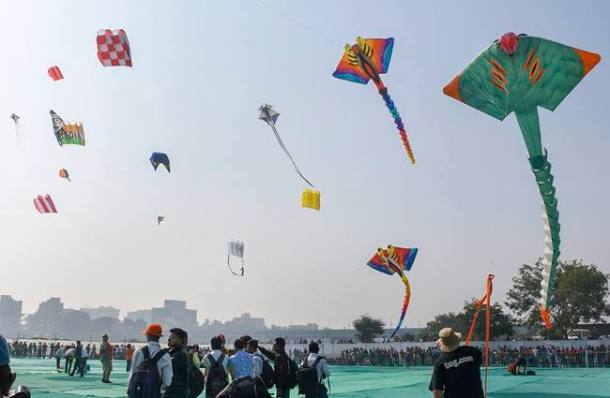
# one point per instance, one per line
(199, 75)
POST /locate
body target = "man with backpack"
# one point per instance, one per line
(180, 365)
(215, 364)
(262, 367)
(312, 373)
(151, 367)
(285, 368)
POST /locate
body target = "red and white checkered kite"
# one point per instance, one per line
(55, 73)
(44, 204)
(113, 48)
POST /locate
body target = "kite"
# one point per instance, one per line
(63, 173)
(521, 73)
(236, 248)
(44, 204)
(16, 120)
(396, 260)
(160, 219)
(311, 199)
(158, 158)
(55, 73)
(113, 48)
(269, 116)
(366, 60)
(67, 133)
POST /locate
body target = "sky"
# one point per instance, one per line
(200, 71)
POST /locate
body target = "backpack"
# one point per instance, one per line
(145, 381)
(285, 371)
(268, 374)
(197, 382)
(307, 378)
(217, 376)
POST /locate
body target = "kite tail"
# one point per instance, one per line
(296, 168)
(542, 171)
(383, 91)
(405, 303)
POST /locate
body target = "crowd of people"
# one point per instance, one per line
(539, 356)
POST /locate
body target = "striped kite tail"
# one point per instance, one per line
(542, 171)
(405, 303)
(383, 91)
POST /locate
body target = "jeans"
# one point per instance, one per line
(282, 392)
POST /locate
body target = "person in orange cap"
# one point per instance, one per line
(152, 350)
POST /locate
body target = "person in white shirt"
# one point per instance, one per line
(257, 358)
(153, 334)
(212, 387)
(321, 367)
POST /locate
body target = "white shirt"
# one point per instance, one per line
(84, 353)
(215, 354)
(164, 364)
(321, 367)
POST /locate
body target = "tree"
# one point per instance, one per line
(451, 320)
(368, 328)
(501, 323)
(581, 293)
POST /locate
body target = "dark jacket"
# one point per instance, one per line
(181, 380)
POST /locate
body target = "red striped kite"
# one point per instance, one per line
(55, 73)
(44, 204)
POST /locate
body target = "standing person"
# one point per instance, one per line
(240, 363)
(285, 368)
(83, 361)
(59, 354)
(106, 354)
(7, 377)
(129, 355)
(179, 388)
(151, 367)
(262, 368)
(78, 359)
(457, 372)
(312, 373)
(216, 364)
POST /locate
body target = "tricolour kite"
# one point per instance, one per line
(44, 204)
(158, 158)
(67, 133)
(396, 260)
(113, 48)
(236, 248)
(55, 73)
(366, 60)
(520, 74)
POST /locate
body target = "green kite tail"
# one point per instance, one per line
(520, 74)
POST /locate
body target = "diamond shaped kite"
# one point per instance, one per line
(113, 48)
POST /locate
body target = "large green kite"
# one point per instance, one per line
(521, 73)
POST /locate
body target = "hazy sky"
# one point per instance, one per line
(201, 70)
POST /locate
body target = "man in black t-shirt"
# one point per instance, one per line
(457, 371)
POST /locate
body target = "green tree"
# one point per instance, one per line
(501, 324)
(368, 328)
(581, 293)
(450, 320)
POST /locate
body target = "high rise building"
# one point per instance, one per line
(140, 315)
(10, 316)
(46, 321)
(174, 314)
(102, 312)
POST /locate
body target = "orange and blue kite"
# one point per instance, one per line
(366, 60)
(396, 260)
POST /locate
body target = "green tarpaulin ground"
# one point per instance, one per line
(347, 381)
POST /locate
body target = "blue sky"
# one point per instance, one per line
(201, 70)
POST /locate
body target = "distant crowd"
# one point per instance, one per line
(539, 356)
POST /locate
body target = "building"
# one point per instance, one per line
(102, 312)
(10, 316)
(140, 315)
(174, 314)
(47, 320)
(245, 323)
